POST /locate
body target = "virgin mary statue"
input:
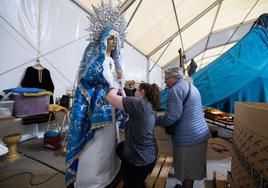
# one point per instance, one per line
(91, 160)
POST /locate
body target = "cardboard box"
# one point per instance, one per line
(164, 142)
(241, 177)
(253, 116)
(250, 145)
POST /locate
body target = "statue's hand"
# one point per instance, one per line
(119, 74)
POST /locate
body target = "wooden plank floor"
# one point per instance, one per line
(159, 175)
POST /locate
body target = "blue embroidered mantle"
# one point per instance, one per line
(90, 111)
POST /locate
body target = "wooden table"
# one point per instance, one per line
(7, 118)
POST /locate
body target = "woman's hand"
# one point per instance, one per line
(114, 99)
(122, 92)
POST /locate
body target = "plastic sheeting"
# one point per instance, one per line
(164, 96)
(262, 21)
(240, 74)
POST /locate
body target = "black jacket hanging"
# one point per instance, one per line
(38, 78)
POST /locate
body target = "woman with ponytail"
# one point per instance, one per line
(138, 152)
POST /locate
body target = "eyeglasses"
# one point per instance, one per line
(167, 78)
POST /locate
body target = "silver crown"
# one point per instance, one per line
(105, 15)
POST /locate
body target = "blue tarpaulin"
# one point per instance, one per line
(164, 95)
(240, 74)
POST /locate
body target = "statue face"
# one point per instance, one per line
(111, 43)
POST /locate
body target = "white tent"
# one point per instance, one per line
(157, 26)
(55, 30)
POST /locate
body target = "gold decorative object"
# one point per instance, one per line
(64, 150)
(11, 142)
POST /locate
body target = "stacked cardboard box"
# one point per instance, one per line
(250, 145)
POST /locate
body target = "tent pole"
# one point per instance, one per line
(210, 46)
(184, 27)
(159, 57)
(211, 30)
(83, 7)
(132, 16)
(126, 5)
(147, 70)
(178, 24)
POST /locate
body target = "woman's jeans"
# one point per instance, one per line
(133, 176)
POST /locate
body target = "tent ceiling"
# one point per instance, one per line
(160, 28)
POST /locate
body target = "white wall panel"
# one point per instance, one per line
(14, 52)
(62, 22)
(133, 63)
(156, 75)
(67, 61)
